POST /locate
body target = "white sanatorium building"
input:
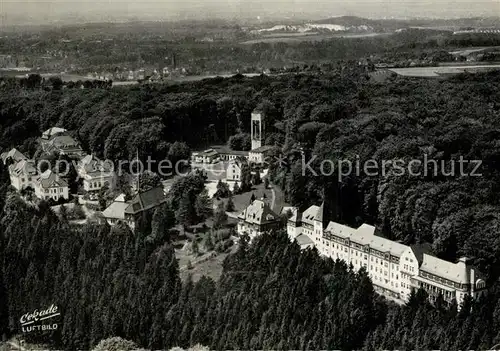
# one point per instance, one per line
(395, 269)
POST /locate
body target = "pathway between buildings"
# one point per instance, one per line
(273, 199)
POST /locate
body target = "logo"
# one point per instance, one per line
(40, 320)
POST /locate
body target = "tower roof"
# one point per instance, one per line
(319, 213)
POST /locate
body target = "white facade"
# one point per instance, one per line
(260, 154)
(257, 219)
(96, 174)
(293, 227)
(48, 185)
(395, 269)
(233, 171)
(206, 157)
(22, 174)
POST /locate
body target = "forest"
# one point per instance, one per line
(270, 295)
(108, 282)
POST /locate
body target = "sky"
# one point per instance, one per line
(49, 10)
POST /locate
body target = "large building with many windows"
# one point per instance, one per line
(395, 269)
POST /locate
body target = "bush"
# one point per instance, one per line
(116, 344)
(76, 212)
(221, 235)
(93, 207)
(223, 246)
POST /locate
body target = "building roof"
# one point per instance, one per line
(64, 142)
(205, 153)
(319, 214)
(49, 133)
(235, 162)
(23, 167)
(49, 179)
(419, 250)
(258, 212)
(13, 154)
(309, 215)
(303, 240)
(444, 269)
(116, 210)
(262, 149)
(224, 150)
(340, 230)
(120, 198)
(92, 166)
(296, 214)
(365, 235)
(146, 200)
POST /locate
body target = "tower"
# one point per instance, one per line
(174, 61)
(257, 130)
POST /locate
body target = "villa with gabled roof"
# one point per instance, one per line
(49, 185)
(96, 173)
(22, 174)
(257, 218)
(129, 212)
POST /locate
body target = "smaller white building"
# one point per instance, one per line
(206, 157)
(96, 173)
(233, 171)
(259, 155)
(116, 211)
(49, 185)
(22, 174)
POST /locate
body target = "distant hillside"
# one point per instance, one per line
(359, 24)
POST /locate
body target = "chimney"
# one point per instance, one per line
(472, 282)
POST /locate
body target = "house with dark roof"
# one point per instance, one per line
(257, 219)
(129, 212)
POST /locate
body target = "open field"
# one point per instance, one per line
(211, 268)
(442, 70)
(300, 37)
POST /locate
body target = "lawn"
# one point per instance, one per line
(210, 268)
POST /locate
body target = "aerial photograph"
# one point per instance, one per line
(249, 175)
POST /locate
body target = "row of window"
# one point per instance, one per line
(409, 268)
(442, 280)
(365, 248)
(54, 191)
